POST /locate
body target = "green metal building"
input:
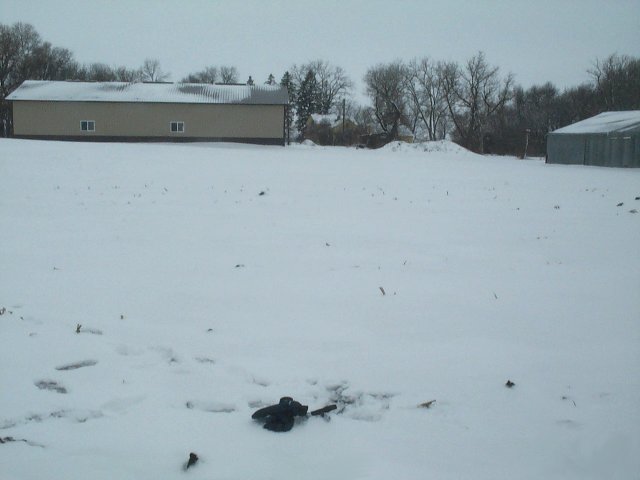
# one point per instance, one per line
(611, 139)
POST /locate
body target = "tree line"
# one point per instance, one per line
(472, 102)
(484, 110)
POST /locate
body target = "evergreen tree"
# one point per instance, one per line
(287, 82)
(271, 80)
(306, 99)
(331, 84)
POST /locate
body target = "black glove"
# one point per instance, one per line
(280, 417)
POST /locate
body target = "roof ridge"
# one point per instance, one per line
(149, 92)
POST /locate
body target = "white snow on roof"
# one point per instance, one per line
(150, 92)
(333, 119)
(605, 122)
(330, 118)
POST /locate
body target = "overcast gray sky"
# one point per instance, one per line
(537, 40)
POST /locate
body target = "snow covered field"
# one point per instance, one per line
(209, 280)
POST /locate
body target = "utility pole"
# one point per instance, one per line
(344, 109)
(287, 124)
(526, 142)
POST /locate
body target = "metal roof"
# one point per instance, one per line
(607, 122)
(71, 91)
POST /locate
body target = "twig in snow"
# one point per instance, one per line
(382, 290)
(193, 459)
(11, 439)
(78, 327)
(428, 404)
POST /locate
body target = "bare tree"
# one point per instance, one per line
(385, 85)
(576, 103)
(229, 74)
(17, 43)
(100, 72)
(151, 71)
(473, 93)
(363, 117)
(124, 74)
(213, 74)
(332, 83)
(427, 102)
(617, 82)
(208, 75)
(49, 63)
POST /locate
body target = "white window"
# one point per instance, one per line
(88, 125)
(177, 127)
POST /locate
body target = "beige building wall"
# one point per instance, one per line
(37, 118)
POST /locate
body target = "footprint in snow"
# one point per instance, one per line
(209, 406)
(257, 404)
(76, 365)
(367, 406)
(79, 416)
(28, 442)
(206, 360)
(122, 404)
(92, 331)
(568, 423)
(126, 350)
(262, 382)
(51, 385)
(167, 353)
